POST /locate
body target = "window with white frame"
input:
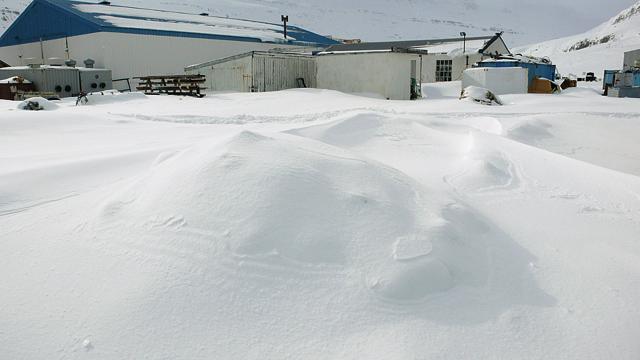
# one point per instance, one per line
(443, 70)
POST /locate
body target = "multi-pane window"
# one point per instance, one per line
(443, 70)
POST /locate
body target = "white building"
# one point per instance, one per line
(137, 42)
(393, 70)
(392, 74)
(445, 59)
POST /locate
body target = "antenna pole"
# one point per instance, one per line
(284, 19)
(66, 50)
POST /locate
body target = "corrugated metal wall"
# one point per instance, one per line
(48, 80)
(232, 75)
(280, 72)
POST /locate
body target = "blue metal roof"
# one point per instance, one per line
(55, 19)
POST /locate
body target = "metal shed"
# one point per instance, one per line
(258, 71)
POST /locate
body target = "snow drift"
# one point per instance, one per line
(313, 224)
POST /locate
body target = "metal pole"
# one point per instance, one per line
(42, 51)
(66, 50)
(284, 19)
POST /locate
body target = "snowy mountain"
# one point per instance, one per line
(523, 23)
(595, 50)
(9, 11)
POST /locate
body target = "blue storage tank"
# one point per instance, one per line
(536, 70)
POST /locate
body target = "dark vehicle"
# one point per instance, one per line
(590, 77)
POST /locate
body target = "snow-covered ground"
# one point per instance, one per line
(310, 224)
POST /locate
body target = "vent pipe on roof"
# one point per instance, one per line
(70, 63)
(89, 63)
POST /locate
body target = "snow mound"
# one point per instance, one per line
(292, 202)
(113, 96)
(37, 103)
(480, 95)
(243, 190)
(441, 90)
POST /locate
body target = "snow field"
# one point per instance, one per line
(314, 224)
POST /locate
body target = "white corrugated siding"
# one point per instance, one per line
(129, 55)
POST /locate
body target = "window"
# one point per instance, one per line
(443, 70)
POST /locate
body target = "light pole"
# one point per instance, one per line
(284, 19)
(464, 47)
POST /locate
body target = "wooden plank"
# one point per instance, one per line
(165, 77)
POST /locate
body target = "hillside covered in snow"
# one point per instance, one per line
(525, 22)
(595, 50)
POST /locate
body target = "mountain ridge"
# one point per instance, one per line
(384, 20)
(595, 50)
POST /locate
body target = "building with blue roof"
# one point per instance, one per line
(135, 41)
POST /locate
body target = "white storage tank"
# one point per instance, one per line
(501, 81)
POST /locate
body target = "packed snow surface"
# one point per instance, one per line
(311, 224)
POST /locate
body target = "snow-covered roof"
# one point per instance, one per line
(520, 58)
(432, 45)
(15, 80)
(61, 18)
(471, 46)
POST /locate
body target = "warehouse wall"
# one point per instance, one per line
(386, 74)
(130, 55)
(258, 73)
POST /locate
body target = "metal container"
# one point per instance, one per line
(63, 80)
(536, 70)
(609, 78)
(92, 80)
